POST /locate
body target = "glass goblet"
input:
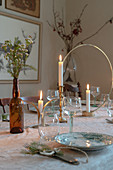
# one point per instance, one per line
(50, 129)
(95, 91)
(72, 106)
(52, 94)
(104, 100)
(110, 108)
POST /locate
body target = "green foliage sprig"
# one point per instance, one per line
(16, 55)
(36, 148)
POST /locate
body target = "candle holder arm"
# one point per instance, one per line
(25, 101)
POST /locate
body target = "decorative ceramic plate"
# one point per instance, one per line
(84, 140)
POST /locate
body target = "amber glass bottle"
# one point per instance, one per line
(16, 110)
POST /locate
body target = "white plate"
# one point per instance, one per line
(84, 140)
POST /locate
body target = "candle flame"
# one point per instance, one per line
(87, 86)
(41, 95)
(60, 57)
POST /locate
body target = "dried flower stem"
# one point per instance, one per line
(75, 30)
(80, 42)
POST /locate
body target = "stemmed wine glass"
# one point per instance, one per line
(71, 106)
(52, 94)
(104, 100)
(50, 129)
(95, 91)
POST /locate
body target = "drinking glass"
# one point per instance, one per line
(104, 99)
(52, 94)
(95, 91)
(110, 108)
(71, 106)
(50, 128)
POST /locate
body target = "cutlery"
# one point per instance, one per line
(64, 157)
(109, 121)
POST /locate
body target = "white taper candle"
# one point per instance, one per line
(60, 63)
(40, 103)
(88, 99)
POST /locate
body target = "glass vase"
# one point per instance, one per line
(16, 110)
(70, 67)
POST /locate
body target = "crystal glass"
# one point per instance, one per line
(71, 106)
(104, 99)
(52, 94)
(110, 108)
(50, 129)
(70, 70)
(95, 91)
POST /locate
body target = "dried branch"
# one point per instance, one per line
(75, 30)
(59, 27)
(109, 21)
(83, 11)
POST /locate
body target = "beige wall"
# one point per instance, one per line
(88, 60)
(50, 49)
(93, 68)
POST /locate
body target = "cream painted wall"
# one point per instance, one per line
(50, 49)
(94, 16)
(93, 68)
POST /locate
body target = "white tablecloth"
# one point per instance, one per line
(12, 144)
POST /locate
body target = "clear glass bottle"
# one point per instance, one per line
(16, 110)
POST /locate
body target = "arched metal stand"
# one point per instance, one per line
(94, 46)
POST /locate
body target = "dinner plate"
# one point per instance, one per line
(84, 140)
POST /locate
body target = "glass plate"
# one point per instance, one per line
(84, 140)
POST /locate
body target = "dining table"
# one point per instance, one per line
(12, 145)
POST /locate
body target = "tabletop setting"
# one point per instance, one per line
(56, 85)
(56, 93)
(64, 132)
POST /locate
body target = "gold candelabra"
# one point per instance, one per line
(61, 118)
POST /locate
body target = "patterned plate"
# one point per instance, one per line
(84, 140)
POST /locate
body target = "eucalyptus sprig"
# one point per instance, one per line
(37, 148)
(16, 55)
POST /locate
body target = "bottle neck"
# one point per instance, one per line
(16, 91)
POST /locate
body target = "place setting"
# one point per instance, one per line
(60, 126)
(57, 127)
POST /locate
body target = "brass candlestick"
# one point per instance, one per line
(61, 118)
(88, 114)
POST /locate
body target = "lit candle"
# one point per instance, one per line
(40, 103)
(88, 99)
(60, 63)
